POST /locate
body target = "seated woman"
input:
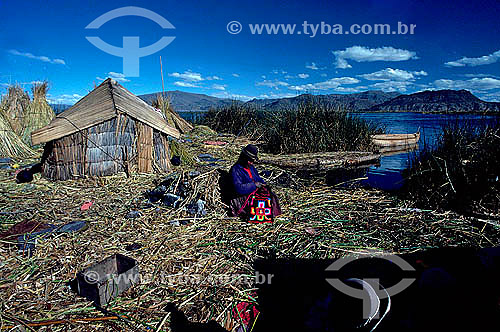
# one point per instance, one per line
(246, 182)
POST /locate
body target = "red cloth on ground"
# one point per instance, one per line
(245, 313)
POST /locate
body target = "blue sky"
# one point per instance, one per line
(455, 45)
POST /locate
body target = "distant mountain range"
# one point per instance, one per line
(181, 100)
(352, 102)
(439, 101)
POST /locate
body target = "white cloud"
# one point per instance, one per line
(190, 79)
(390, 74)
(303, 76)
(350, 89)
(480, 75)
(219, 87)
(67, 99)
(21, 83)
(273, 95)
(186, 84)
(312, 66)
(272, 84)
(341, 63)
(494, 97)
(119, 77)
(482, 60)
(330, 84)
(364, 54)
(391, 86)
(38, 57)
(225, 94)
(474, 84)
(236, 75)
(188, 76)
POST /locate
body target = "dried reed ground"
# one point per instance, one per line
(319, 222)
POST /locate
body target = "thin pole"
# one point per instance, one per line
(162, 84)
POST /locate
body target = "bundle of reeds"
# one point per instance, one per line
(175, 120)
(10, 144)
(39, 114)
(15, 106)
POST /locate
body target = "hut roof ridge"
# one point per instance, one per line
(101, 104)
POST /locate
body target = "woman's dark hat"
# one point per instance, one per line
(251, 152)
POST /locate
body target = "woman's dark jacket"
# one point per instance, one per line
(243, 184)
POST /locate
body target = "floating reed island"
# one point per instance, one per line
(321, 160)
(202, 263)
(182, 263)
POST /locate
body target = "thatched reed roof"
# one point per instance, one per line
(102, 104)
(10, 144)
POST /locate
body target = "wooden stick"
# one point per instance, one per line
(63, 321)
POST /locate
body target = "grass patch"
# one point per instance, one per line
(308, 127)
(235, 119)
(461, 173)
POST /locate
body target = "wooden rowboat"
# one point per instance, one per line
(390, 140)
(386, 151)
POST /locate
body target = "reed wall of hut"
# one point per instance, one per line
(67, 157)
(122, 144)
(161, 151)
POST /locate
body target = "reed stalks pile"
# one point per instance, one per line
(39, 114)
(173, 119)
(14, 107)
(10, 144)
(200, 266)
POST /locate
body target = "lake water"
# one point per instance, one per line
(388, 175)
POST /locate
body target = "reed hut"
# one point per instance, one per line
(110, 130)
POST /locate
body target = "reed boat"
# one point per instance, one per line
(391, 140)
